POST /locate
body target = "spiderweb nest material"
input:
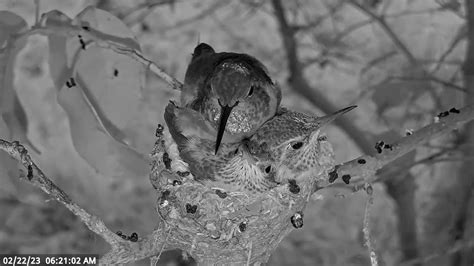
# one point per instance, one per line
(226, 228)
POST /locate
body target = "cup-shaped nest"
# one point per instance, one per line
(225, 227)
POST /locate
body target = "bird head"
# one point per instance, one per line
(202, 49)
(231, 83)
(240, 82)
(293, 141)
(308, 150)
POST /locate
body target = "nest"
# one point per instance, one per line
(218, 226)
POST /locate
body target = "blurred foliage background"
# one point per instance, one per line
(400, 61)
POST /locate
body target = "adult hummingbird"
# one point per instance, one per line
(232, 169)
(233, 91)
(293, 144)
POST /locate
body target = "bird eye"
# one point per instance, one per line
(297, 145)
(268, 169)
(250, 92)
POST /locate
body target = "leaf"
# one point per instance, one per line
(103, 153)
(11, 110)
(100, 83)
(107, 26)
(10, 23)
(115, 79)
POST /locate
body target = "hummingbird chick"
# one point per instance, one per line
(292, 142)
(233, 169)
(233, 91)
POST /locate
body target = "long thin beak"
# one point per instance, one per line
(225, 113)
(322, 121)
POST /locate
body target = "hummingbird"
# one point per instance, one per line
(292, 142)
(231, 90)
(233, 169)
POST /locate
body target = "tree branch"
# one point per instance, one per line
(301, 86)
(399, 43)
(50, 25)
(144, 9)
(383, 24)
(122, 250)
(213, 8)
(464, 218)
(461, 35)
(365, 167)
(366, 229)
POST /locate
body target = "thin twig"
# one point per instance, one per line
(125, 46)
(398, 42)
(146, 8)
(300, 85)
(37, 11)
(461, 35)
(205, 13)
(383, 24)
(249, 255)
(366, 227)
(310, 24)
(373, 62)
(434, 79)
(455, 248)
(163, 246)
(413, 12)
